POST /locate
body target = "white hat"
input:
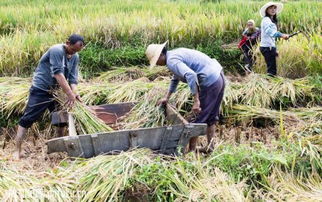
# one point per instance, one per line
(279, 8)
(251, 21)
(153, 52)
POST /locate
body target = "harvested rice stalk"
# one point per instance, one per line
(146, 113)
(246, 112)
(14, 98)
(287, 187)
(262, 91)
(30, 186)
(103, 178)
(95, 93)
(121, 75)
(85, 118)
(88, 122)
(131, 91)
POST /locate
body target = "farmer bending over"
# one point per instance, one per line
(204, 77)
(58, 67)
(250, 37)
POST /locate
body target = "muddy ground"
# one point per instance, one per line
(37, 159)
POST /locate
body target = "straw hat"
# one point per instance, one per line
(153, 52)
(279, 8)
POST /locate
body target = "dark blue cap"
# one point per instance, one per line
(74, 38)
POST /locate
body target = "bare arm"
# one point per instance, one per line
(66, 88)
(196, 104)
(74, 89)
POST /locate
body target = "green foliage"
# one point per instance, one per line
(119, 33)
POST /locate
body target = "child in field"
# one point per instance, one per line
(250, 38)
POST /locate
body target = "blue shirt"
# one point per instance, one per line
(193, 67)
(55, 61)
(268, 33)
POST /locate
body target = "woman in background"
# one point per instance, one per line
(269, 33)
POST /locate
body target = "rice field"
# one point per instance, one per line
(268, 142)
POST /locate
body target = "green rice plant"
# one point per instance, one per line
(26, 34)
(298, 57)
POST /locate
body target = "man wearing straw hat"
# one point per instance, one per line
(58, 67)
(204, 77)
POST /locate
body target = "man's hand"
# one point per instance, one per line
(285, 36)
(78, 98)
(196, 107)
(71, 98)
(163, 101)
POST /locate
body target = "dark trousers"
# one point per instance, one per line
(210, 100)
(248, 55)
(270, 54)
(38, 102)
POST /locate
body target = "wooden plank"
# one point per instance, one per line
(173, 116)
(165, 137)
(190, 130)
(71, 126)
(171, 135)
(96, 144)
(73, 147)
(55, 145)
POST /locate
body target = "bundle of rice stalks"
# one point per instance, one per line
(87, 122)
(20, 186)
(266, 92)
(95, 93)
(313, 114)
(147, 113)
(131, 91)
(124, 74)
(103, 178)
(248, 113)
(121, 75)
(182, 98)
(155, 72)
(287, 187)
(14, 95)
(199, 181)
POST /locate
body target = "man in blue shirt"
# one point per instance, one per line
(204, 77)
(58, 67)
